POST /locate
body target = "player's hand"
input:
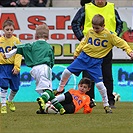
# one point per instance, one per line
(15, 72)
(4, 56)
(9, 49)
(74, 57)
(131, 55)
(83, 39)
(92, 103)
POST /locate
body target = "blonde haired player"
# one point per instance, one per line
(39, 56)
(9, 68)
(89, 56)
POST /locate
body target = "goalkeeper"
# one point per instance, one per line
(39, 56)
(74, 100)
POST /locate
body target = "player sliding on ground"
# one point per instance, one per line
(39, 56)
(75, 100)
(89, 56)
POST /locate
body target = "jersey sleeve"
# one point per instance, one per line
(87, 108)
(120, 43)
(81, 45)
(18, 59)
(79, 48)
(22, 47)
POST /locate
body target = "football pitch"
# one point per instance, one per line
(25, 120)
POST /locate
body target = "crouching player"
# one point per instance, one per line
(39, 56)
(74, 100)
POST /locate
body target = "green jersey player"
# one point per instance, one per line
(39, 56)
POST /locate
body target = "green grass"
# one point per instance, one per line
(25, 120)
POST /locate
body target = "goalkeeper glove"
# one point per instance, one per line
(92, 103)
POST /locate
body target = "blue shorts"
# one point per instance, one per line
(8, 79)
(86, 63)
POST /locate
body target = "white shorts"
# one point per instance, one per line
(43, 76)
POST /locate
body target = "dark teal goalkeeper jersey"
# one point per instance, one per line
(37, 53)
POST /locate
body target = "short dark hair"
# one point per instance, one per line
(85, 81)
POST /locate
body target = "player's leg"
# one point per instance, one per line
(74, 68)
(95, 73)
(14, 86)
(103, 92)
(3, 88)
(91, 92)
(66, 98)
(64, 78)
(6, 78)
(43, 77)
(3, 99)
(48, 95)
(10, 100)
(66, 101)
(69, 108)
(108, 78)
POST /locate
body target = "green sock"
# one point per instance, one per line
(45, 98)
(49, 96)
(58, 106)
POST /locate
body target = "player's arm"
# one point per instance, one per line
(80, 46)
(17, 48)
(120, 43)
(10, 54)
(87, 108)
(79, 49)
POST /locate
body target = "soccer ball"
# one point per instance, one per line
(117, 96)
(50, 109)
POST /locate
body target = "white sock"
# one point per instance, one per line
(12, 95)
(103, 91)
(60, 97)
(64, 78)
(3, 97)
(54, 101)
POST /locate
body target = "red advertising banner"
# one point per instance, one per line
(59, 21)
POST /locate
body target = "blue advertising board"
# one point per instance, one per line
(27, 91)
(123, 82)
(122, 74)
